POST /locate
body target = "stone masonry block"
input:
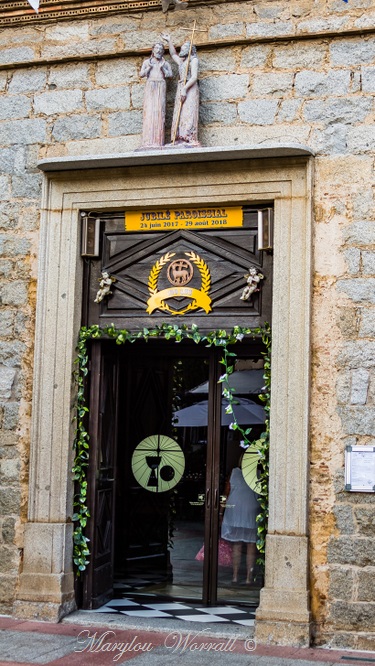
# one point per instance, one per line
(9, 559)
(362, 51)
(76, 48)
(365, 518)
(289, 110)
(361, 233)
(225, 113)
(221, 31)
(344, 518)
(353, 616)
(368, 262)
(309, 83)
(65, 32)
(366, 584)
(361, 139)
(357, 420)
(4, 187)
(220, 60)
(8, 530)
(363, 205)
(137, 93)
(367, 326)
(358, 551)
(10, 418)
(338, 110)
(358, 289)
(3, 80)
(115, 99)
(7, 376)
(353, 260)
(13, 159)
(343, 386)
(347, 321)
(360, 385)
(272, 84)
(13, 246)
(13, 293)
(120, 124)
(258, 112)
(23, 131)
(118, 72)
(9, 501)
(76, 127)
(28, 80)
(217, 88)
(270, 11)
(70, 76)
(341, 583)
(28, 185)
(368, 79)
(17, 54)
(259, 29)
(255, 56)
(299, 56)
(10, 469)
(57, 102)
(115, 26)
(15, 106)
(6, 328)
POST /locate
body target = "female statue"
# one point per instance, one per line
(156, 70)
(186, 108)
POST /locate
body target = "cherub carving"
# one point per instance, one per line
(253, 279)
(105, 284)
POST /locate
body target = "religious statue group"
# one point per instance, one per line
(186, 109)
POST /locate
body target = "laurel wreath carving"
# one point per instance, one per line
(156, 270)
(203, 269)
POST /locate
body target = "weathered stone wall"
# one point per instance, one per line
(283, 71)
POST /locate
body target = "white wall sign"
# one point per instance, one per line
(360, 469)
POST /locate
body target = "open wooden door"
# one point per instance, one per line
(98, 582)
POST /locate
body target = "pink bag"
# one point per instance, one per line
(224, 554)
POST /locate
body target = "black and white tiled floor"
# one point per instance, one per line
(152, 606)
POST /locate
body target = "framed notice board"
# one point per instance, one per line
(360, 469)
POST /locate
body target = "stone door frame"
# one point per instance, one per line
(46, 589)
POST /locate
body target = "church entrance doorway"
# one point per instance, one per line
(163, 454)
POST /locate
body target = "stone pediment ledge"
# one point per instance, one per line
(174, 156)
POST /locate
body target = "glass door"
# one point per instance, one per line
(175, 457)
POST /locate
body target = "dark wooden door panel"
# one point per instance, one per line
(227, 256)
(98, 583)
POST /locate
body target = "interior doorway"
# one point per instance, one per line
(162, 455)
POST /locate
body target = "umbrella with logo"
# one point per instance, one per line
(247, 412)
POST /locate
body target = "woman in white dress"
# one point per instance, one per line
(239, 522)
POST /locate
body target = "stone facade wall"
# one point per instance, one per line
(283, 71)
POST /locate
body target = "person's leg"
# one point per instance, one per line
(236, 555)
(250, 561)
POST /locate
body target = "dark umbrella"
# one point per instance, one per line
(246, 412)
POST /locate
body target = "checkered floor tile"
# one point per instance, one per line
(149, 605)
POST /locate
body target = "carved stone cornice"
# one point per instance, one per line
(19, 12)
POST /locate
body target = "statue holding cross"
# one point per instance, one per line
(186, 110)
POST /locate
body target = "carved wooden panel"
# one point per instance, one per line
(142, 263)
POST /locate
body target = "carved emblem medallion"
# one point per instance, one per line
(179, 273)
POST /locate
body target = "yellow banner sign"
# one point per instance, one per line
(183, 218)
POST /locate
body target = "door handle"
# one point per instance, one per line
(216, 498)
(208, 498)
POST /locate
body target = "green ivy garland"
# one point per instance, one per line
(218, 338)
